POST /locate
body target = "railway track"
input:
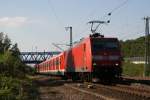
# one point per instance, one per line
(102, 97)
(138, 90)
(107, 92)
(85, 91)
(136, 78)
(124, 90)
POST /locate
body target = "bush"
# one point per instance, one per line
(9, 88)
(13, 81)
(11, 66)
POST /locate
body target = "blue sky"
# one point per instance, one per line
(36, 24)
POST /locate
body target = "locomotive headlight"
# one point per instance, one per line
(94, 64)
(116, 64)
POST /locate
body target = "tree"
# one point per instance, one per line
(1, 41)
(133, 48)
(15, 50)
(6, 43)
(10, 63)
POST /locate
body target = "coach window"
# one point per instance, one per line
(60, 61)
(49, 65)
(44, 66)
(54, 64)
(57, 63)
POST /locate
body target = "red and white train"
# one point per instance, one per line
(93, 57)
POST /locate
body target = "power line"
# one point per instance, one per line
(113, 10)
(118, 7)
(55, 15)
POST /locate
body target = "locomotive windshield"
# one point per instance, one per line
(105, 44)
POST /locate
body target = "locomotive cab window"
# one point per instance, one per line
(105, 44)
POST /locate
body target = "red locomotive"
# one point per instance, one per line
(93, 57)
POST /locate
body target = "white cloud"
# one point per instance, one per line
(13, 21)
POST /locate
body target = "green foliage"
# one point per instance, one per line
(10, 63)
(5, 43)
(15, 51)
(130, 69)
(30, 70)
(131, 48)
(11, 66)
(9, 88)
(14, 89)
(12, 71)
(134, 48)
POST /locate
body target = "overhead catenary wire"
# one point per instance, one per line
(61, 24)
(117, 7)
(109, 14)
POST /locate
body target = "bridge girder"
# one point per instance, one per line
(36, 57)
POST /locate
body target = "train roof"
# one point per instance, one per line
(98, 35)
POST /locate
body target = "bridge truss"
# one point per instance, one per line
(36, 57)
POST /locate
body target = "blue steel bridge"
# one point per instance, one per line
(36, 57)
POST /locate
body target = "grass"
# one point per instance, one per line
(130, 69)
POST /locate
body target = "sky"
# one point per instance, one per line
(36, 24)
